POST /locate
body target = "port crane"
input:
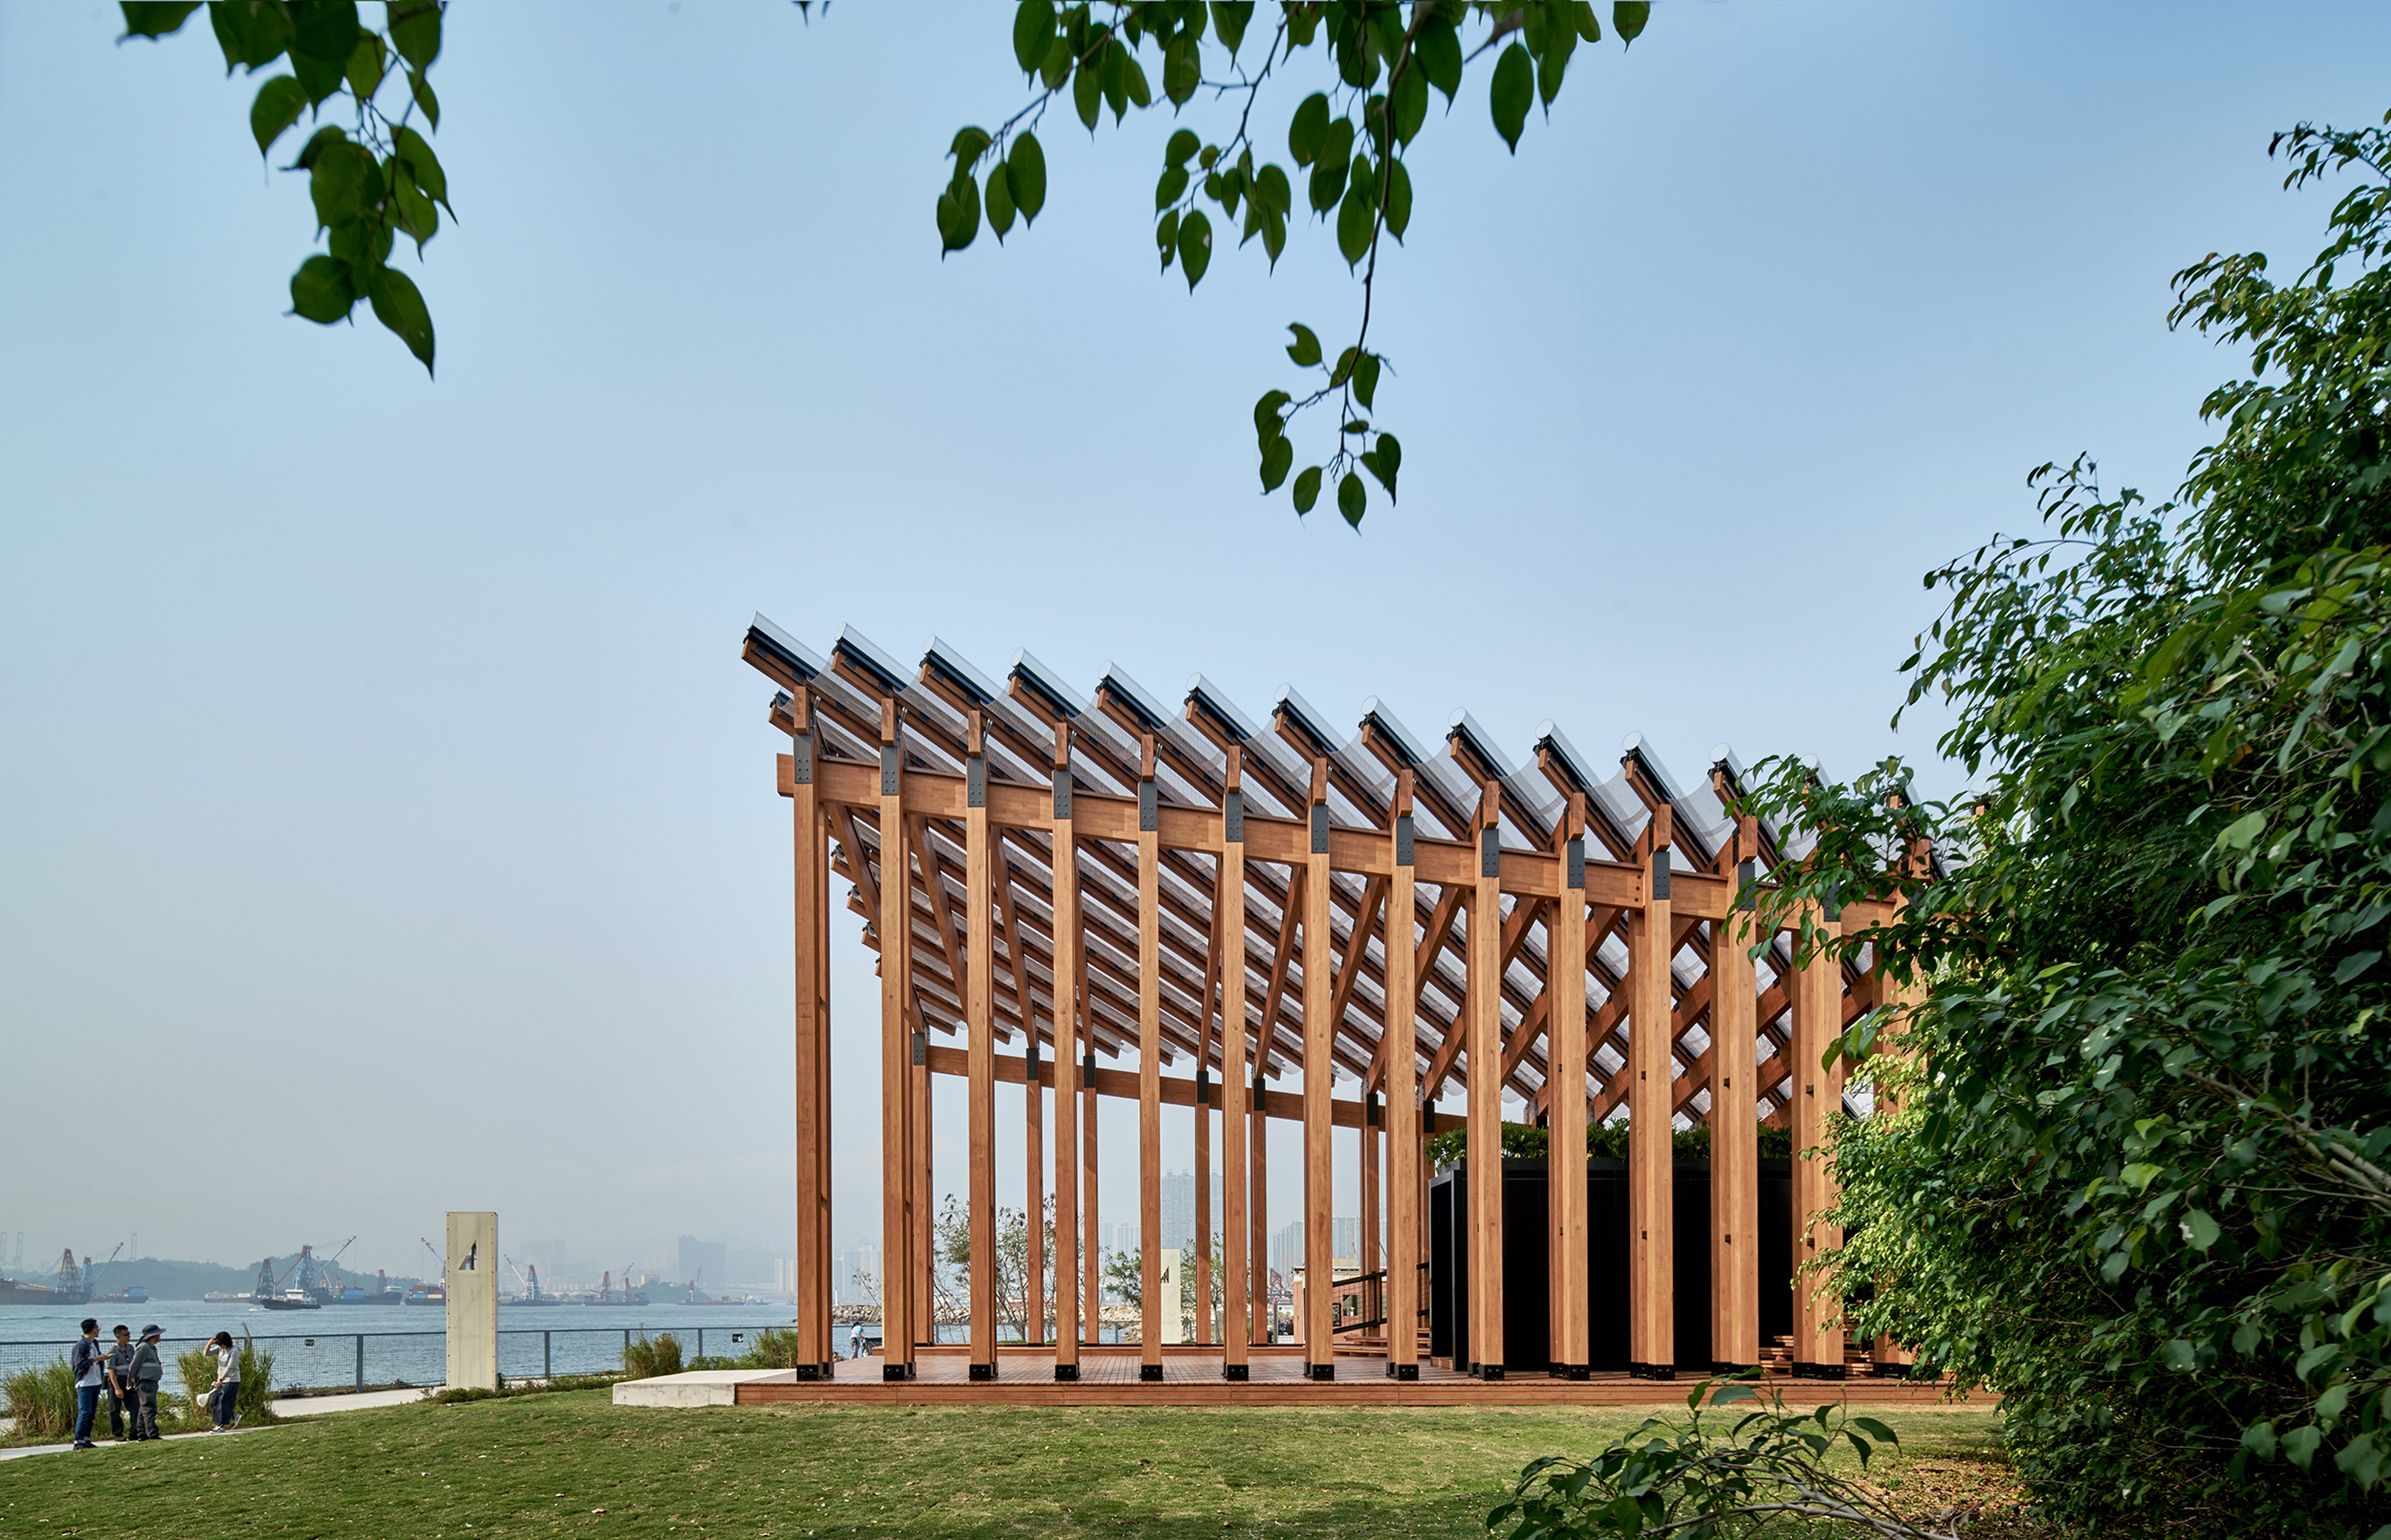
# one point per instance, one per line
(93, 1275)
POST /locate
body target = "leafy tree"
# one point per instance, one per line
(369, 184)
(951, 1254)
(1375, 62)
(2135, 1178)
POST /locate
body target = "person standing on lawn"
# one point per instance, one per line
(88, 1364)
(148, 1370)
(223, 1398)
(121, 1407)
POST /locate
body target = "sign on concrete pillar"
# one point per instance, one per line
(472, 1287)
(1174, 1325)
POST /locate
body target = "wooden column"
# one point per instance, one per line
(1403, 1103)
(1265, 1314)
(1651, 1152)
(1237, 1100)
(895, 926)
(1149, 1069)
(1565, 1165)
(1033, 1115)
(812, 912)
(979, 1023)
(1091, 1254)
(1204, 1139)
(1735, 1125)
(1818, 1095)
(1070, 1042)
(1484, 1043)
(1319, 1072)
(1372, 1116)
(925, 1190)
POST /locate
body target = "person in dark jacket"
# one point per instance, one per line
(88, 1364)
(121, 1407)
(149, 1373)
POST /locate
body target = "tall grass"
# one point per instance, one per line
(775, 1348)
(650, 1356)
(41, 1400)
(198, 1372)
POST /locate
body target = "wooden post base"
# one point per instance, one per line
(1233, 1371)
(895, 1371)
(1067, 1372)
(1403, 1371)
(1489, 1372)
(1150, 1373)
(1320, 1371)
(1652, 1372)
(1818, 1371)
(983, 1371)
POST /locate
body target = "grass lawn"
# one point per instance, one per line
(574, 1464)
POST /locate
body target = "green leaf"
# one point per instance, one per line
(1181, 148)
(424, 96)
(1230, 19)
(418, 216)
(279, 102)
(324, 38)
(2141, 1174)
(958, 214)
(2177, 1355)
(1132, 83)
(1195, 246)
(1306, 490)
(1033, 29)
(339, 183)
(1025, 176)
(317, 143)
(415, 31)
(366, 67)
(1088, 95)
(964, 151)
(1274, 236)
(1309, 130)
(416, 151)
(2259, 1439)
(1181, 70)
(1352, 500)
(321, 291)
(1627, 18)
(1550, 67)
(2200, 1231)
(1166, 236)
(1437, 50)
(1355, 222)
(1168, 185)
(1411, 104)
(1366, 378)
(1876, 1430)
(999, 200)
(1384, 462)
(1059, 62)
(2355, 964)
(1399, 199)
(1305, 349)
(2243, 831)
(1268, 424)
(1277, 455)
(398, 304)
(1514, 87)
(1589, 26)
(1271, 186)
(151, 19)
(2300, 1444)
(250, 33)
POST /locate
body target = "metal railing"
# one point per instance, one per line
(1364, 1294)
(325, 1360)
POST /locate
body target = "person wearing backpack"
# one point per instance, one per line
(88, 1364)
(225, 1397)
(149, 1370)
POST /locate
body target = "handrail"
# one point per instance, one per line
(1373, 1289)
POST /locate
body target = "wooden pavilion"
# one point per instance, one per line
(1058, 880)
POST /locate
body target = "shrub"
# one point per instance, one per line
(774, 1349)
(198, 1372)
(41, 1400)
(650, 1356)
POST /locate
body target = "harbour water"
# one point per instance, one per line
(400, 1342)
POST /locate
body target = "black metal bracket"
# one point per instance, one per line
(983, 1371)
(1403, 1371)
(1150, 1374)
(1320, 1371)
(1066, 1373)
(1652, 1372)
(1233, 1371)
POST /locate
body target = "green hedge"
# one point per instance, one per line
(1527, 1142)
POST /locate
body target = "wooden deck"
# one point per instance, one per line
(1191, 1378)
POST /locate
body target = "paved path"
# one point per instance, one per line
(288, 1406)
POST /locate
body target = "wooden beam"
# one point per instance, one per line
(1229, 897)
(1072, 1039)
(1565, 985)
(897, 1263)
(1652, 1157)
(1149, 1071)
(1484, 1036)
(811, 905)
(1402, 1068)
(1319, 1192)
(979, 1023)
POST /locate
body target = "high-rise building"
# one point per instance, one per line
(1178, 1210)
(702, 1263)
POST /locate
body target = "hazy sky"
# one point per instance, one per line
(386, 820)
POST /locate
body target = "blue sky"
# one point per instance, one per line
(380, 785)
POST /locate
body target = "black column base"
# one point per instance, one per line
(1234, 1371)
(983, 1371)
(895, 1371)
(1818, 1371)
(1652, 1372)
(1320, 1371)
(1572, 1371)
(1488, 1372)
(1067, 1372)
(1724, 1370)
(1150, 1373)
(1403, 1371)
(809, 1372)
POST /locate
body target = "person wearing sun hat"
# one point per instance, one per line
(148, 1370)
